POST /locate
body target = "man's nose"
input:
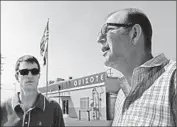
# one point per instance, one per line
(101, 38)
(30, 74)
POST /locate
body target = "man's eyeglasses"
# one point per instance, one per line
(105, 28)
(33, 71)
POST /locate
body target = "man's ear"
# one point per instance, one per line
(135, 34)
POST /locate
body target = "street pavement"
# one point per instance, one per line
(76, 122)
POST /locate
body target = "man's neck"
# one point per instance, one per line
(28, 98)
(127, 67)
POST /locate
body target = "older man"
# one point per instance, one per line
(148, 94)
(29, 107)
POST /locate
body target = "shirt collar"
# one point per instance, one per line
(16, 100)
(159, 60)
(39, 103)
(156, 61)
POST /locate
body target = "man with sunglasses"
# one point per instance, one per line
(148, 91)
(29, 107)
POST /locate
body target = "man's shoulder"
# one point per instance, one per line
(50, 101)
(172, 61)
(52, 104)
(172, 66)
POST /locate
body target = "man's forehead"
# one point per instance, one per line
(27, 65)
(117, 17)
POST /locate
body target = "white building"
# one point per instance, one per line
(85, 97)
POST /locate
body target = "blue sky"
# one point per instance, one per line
(74, 26)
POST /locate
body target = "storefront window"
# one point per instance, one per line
(84, 103)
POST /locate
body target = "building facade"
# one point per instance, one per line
(85, 97)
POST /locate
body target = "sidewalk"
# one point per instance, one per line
(76, 122)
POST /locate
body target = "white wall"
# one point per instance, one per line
(74, 95)
(74, 101)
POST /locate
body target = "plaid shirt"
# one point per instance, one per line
(152, 100)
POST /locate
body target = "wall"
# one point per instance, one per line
(74, 101)
(95, 87)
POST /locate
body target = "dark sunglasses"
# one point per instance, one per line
(33, 71)
(105, 28)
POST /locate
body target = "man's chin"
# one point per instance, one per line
(29, 87)
(109, 64)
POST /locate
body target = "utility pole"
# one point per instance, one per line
(59, 87)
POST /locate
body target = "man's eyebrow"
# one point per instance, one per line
(109, 26)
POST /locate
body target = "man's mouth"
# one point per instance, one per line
(29, 82)
(105, 53)
(105, 50)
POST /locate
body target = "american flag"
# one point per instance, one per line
(44, 43)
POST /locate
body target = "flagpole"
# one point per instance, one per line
(47, 62)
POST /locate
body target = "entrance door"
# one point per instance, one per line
(110, 102)
(65, 106)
